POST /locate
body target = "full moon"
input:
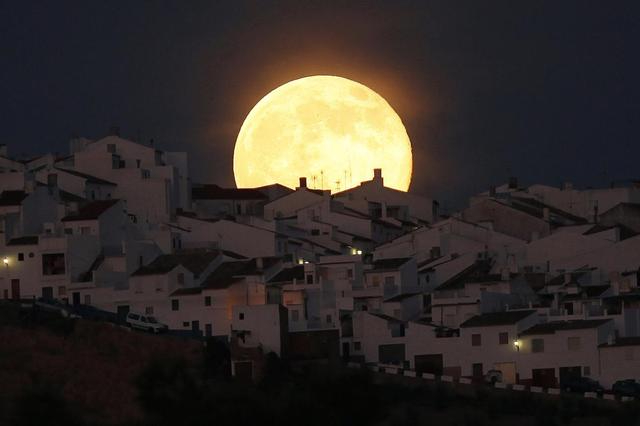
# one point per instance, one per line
(331, 130)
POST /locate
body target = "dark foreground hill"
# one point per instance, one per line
(73, 372)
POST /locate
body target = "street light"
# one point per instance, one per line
(6, 261)
(516, 343)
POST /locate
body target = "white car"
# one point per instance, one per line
(146, 323)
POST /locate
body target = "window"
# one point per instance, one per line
(87, 299)
(207, 301)
(573, 343)
(375, 281)
(328, 318)
(20, 257)
(186, 324)
(537, 345)
(295, 316)
(62, 291)
(180, 278)
(391, 280)
(503, 338)
(148, 310)
(586, 370)
(53, 264)
(85, 230)
(476, 340)
(357, 346)
(309, 278)
(350, 273)
(111, 148)
(315, 232)
(241, 315)
(175, 305)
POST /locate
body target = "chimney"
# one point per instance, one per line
(513, 182)
(114, 131)
(3, 150)
(303, 182)
(545, 213)
(377, 176)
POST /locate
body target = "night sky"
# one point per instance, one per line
(546, 91)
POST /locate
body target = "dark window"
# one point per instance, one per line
(175, 305)
(503, 338)
(309, 278)
(241, 315)
(20, 257)
(53, 264)
(315, 232)
(207, 301)
(186, 324)
(476, 340)
(31, 255)
(111, 148)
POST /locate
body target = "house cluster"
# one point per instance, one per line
(538, 282)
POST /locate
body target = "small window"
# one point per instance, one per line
(85, 230)
(390, 280)
(537, 345)
(476, 340)
(186, 324)
(207, 301)
(586, 370)
(573, 344)
(309, 278)
(62, 291)
(87, 299)
(503, 338)
(148, 310)
(111, 148)
(241, 315)
(20, 257)
(357, 346)
(350, 273)
(175, 305)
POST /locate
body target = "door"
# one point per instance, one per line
(477, 371)
(346, 350)
(508, 370)
(47, 293)
(568, 373)
(75, 298)
(544, 377)
(431, 364)
(122, 311)
(15, 289)
(195, 327)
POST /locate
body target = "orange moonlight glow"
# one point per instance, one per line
(329, 129)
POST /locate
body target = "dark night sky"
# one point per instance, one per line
(547, 91)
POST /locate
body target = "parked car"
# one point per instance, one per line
(627, 387)
(146, 323)
(581, 385)
(493, 376)
(52, 305)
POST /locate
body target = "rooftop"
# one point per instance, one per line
(215, 192)
(289, 274)
(23, 241)
(12, 198)
(497, 318)
(89, 178)
(195, 261)
(553, 326)
(91, 211)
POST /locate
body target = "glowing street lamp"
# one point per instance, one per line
(516, 343)
(5, 261)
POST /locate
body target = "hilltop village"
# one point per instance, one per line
(538, 283)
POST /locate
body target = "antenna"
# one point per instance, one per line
(345, 178)
(322, 179)
(314, 178)
(338, 185)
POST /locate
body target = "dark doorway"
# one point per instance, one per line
(569, 308)
(477, 371)
(122, 311)
(569, 373)
(15, 289)
(544, 377)
(391, 354)
(195, 327)
(75, 297)
(431, 364)
(346, 351)
(47, 293)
